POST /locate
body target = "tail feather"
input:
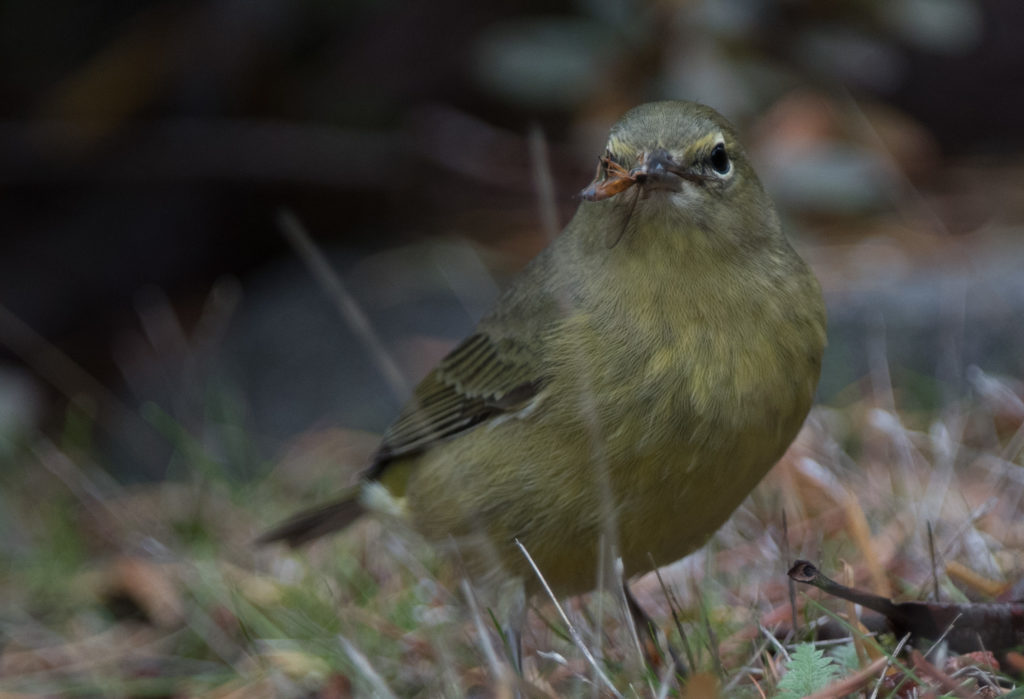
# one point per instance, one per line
(312, 524)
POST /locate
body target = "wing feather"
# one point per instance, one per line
(478, 380)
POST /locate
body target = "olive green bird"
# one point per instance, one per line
(634, 382)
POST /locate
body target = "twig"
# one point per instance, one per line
(942, 636)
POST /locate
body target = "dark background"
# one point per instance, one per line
(147, 150)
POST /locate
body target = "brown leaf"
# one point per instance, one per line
(965, 575)
(151, 587)
(700, 685)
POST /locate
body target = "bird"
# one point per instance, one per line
(629, 388)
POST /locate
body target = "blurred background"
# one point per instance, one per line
(152, 307)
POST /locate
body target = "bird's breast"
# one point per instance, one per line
(698, 367)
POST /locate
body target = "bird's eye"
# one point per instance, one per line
(719, 160)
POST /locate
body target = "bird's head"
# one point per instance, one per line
(683, 160)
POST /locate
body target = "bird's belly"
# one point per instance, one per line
(562, 493)
(675, 491)
(658, 469)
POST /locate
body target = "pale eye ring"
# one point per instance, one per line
(719, 160)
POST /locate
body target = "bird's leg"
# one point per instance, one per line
(648, 630)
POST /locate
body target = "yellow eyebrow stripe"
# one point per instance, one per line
(620, 148)
(708, 142)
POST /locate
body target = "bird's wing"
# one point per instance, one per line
(481, 378)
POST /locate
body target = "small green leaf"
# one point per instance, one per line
(807, 671)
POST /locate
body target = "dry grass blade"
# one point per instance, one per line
(892, 657)
(947, 684)
(350, 311)
(573, 631)
(71, 380)
(629, 605)
(860, 531)
(673, 606)
(380, 687)
(790, 584)
(499, 670)
(540, 164)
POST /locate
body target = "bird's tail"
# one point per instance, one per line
(312, 524)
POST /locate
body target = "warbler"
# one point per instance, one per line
(632, 384)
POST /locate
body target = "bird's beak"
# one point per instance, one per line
(659, 171)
